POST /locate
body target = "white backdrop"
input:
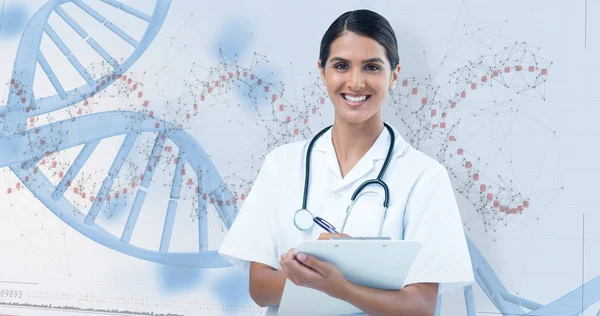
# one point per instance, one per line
(525, 135)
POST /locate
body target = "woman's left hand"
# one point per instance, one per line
(306, 270)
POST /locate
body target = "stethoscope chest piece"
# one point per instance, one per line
(303, 219)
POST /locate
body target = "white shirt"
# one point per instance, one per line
(422, 207)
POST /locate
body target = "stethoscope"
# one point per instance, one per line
(304, 219)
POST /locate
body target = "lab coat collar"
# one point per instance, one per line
(377, 152)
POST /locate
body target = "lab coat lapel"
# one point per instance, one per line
(368, 161)
(364, 165)
(325, 146)
(376, 153)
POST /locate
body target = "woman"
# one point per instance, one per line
(359, 64)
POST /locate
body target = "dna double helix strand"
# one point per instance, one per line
(23, 148)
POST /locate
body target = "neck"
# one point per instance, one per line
(352, 141)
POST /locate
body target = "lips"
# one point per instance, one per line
(355, 99)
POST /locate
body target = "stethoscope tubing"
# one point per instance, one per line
(378, 181)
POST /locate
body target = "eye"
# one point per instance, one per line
(372, 67)
(340, 66)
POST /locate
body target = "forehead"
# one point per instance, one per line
(356, 47)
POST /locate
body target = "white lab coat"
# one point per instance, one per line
(422, 207)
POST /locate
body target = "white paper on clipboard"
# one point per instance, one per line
(381, 264)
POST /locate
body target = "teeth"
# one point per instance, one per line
(355, 99)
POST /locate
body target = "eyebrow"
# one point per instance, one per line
(372, 60)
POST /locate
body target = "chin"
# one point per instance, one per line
(354, 119)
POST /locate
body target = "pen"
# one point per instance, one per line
(325, 225)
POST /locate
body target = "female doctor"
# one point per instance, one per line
(407, 194)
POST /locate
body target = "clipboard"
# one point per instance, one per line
(376, 263)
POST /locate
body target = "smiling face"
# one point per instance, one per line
(358, 76)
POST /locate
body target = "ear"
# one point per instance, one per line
(394, 77)
(321, 71)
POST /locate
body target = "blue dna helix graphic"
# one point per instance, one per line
(21, 157)
(88, 130)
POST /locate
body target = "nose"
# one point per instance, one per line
(356, 81)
